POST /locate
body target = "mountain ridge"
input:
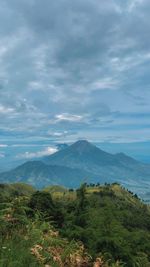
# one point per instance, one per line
(79, 162)
(38, 174)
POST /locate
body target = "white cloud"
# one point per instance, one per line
(68, 117)
(105, 83)
(35, 85)
(25, 145)
(59, 134)
(5, 110)
(3, 145)
(133, 4)
(38, 154)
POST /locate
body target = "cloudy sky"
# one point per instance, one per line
(72, 70)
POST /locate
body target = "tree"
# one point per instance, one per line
(43, 203)
(81, 198)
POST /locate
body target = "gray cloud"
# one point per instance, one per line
(74, 66)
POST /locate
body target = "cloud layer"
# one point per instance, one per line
(75, 69)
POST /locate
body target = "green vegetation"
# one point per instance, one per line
(8, 191)
(99, 226)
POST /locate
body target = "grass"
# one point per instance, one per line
(15, 252)
(67, 195)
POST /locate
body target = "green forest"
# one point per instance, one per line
(95, 225)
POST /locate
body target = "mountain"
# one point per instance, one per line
(104, 166)
(39, 174)
(87, 156)
(62, 146)
(80, 162)
(81, 154)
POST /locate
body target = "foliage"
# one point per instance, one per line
(38, 230)
(113, 222)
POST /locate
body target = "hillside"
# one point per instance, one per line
(94, 226)
(40, 174)
(8, 191)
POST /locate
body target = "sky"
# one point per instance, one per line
(73, 70)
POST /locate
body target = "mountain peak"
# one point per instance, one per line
(82, 145)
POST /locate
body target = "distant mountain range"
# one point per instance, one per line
(82, 162)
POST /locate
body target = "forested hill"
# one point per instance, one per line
(97, 226)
